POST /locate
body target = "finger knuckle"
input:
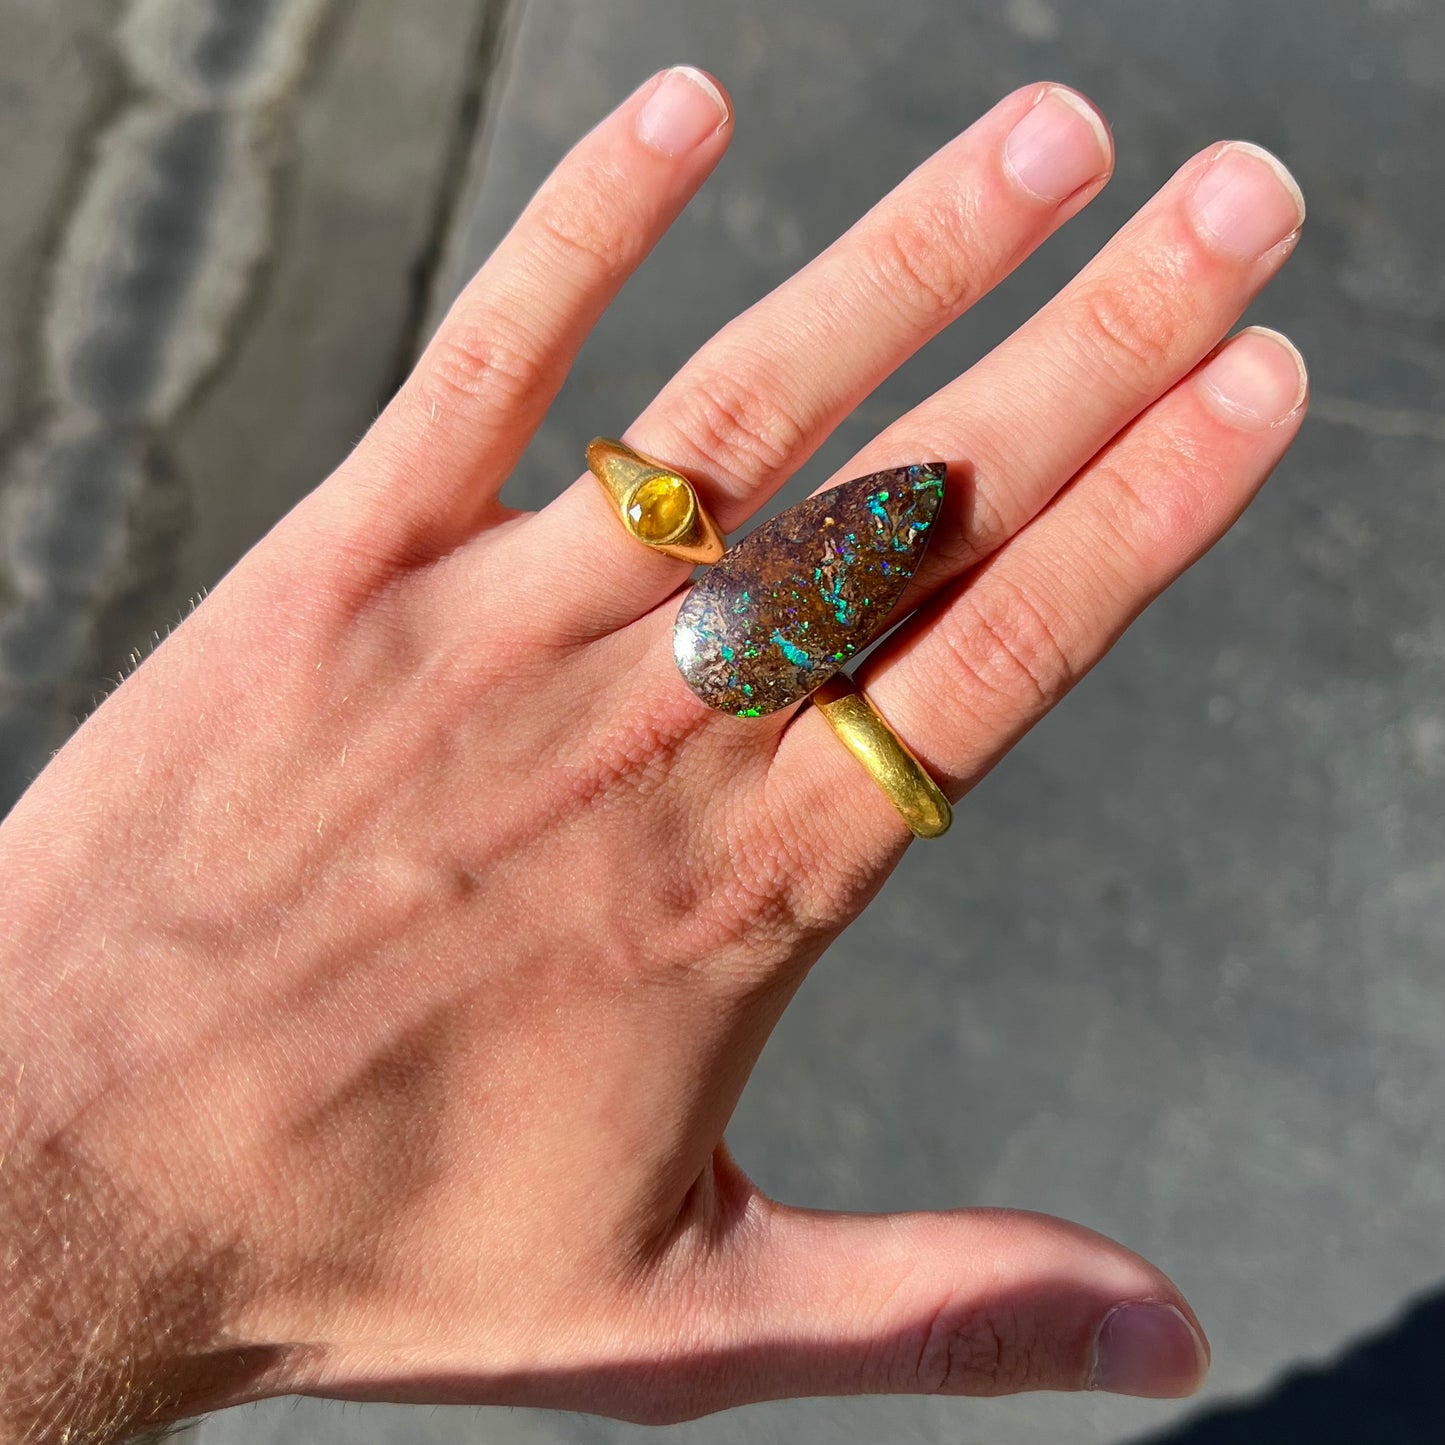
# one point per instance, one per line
(926, 260)
(1007, 642)
(769, 901)
(584, 224)
(973, 1349)
(773, 899)
(742, 428)
(1154, 497)
(488, 356)
(1129, 330)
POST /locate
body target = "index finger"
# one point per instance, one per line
(437, 458)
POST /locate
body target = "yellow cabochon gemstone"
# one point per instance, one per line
(660, 509)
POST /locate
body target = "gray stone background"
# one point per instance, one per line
(1177, 971)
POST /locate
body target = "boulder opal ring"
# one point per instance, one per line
(780, 614)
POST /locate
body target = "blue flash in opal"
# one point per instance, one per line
(796, 655)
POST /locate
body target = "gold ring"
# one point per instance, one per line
(780, 614)
(657, 505)
(889, 760)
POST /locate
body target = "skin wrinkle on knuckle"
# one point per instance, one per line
(1127, 322)
(488, 357)
(1156, 494)
(577, 224)
(971, 1350)
(998, 625)
(742, 428)
(925, 259)
(585, 222)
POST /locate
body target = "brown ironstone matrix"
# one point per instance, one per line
(794, 600)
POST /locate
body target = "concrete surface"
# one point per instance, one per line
(1177, 971)
(220, 225)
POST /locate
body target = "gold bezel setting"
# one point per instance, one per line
(623, 473)
(676, 534)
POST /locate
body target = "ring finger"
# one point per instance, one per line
(980, 665)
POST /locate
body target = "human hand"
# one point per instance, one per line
(386, 957)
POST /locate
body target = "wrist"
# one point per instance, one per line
(131, 1222)
(115, 1317)
(115, 1310)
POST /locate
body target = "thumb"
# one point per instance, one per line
(971, 1302)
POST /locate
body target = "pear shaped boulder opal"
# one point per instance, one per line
(795, 599)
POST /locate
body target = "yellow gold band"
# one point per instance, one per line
(888, 759)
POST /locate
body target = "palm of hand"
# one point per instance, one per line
(434, 926)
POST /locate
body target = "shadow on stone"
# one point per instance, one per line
(1387, 1390)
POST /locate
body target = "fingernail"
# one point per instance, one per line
(1058, 146)
(1149, 1350)
(1246, 202)
(1257, 379)
(682, 112)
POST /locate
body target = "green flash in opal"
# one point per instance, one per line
(809, 589)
